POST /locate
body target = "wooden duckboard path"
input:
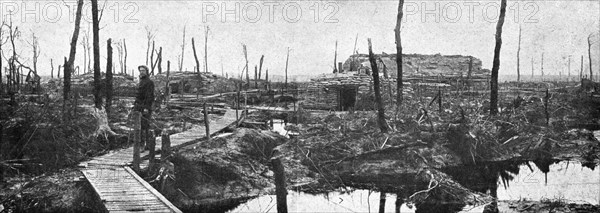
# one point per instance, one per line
(122, 190)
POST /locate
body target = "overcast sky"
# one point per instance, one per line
(311, 28)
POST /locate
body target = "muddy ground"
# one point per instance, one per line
(346, 149)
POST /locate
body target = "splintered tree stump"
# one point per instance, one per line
(102, 120)
(151, 143)
(166, 146)
(206, 123)
(280, 189)
(136, 141)
(382, 203)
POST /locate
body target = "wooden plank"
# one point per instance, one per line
(153, 211)
(139, 199)
(153, 191)
(119, 202)
(136, 208)
(131, 198)
(121, 189)
(124, 193)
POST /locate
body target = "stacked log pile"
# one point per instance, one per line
(193, 82)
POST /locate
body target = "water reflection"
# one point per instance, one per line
(532, 180)
(354, 201)
(279, 126)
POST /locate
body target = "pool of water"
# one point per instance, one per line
(355, 201)
(564, 180)
(279, 127)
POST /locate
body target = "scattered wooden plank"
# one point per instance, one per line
(152, 190)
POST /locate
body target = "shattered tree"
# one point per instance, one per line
(496, 63)
(96, 40)
(109, 75)
(375, 71)
(399, 53)
(68, 67)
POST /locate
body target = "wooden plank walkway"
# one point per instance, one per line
(122, 190)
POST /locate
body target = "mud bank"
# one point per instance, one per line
(217, 175)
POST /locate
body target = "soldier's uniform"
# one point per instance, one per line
(143, 103)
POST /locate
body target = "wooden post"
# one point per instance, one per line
(195, 56)
(206, 123)
(237, 102)
(166, 145)
(136, 141)
(181, 87)
(382, 203)
(398, 203)
(546, 103)
(151, 143)
(168, 86)
(108, 88)
(280, 189)
(440, 100)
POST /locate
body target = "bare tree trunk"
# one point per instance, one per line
(590, 56)
(335, 59)
(205, 51)
(150, 37)
(518, 57)
(399, 54)
(182, 51)
(260, 66)
(247, 76)
(152, 63)
(286, 68)
(496, 63)
(375, 71)
(168, 86)
(68, 67)
(51, 69)
(160, 61)
(195, 56)
(96, 30)
(36, 53)
(125, 56)
(109, 76)
(255, 77)
(581, 69)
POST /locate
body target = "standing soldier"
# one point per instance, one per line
(143, 103)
